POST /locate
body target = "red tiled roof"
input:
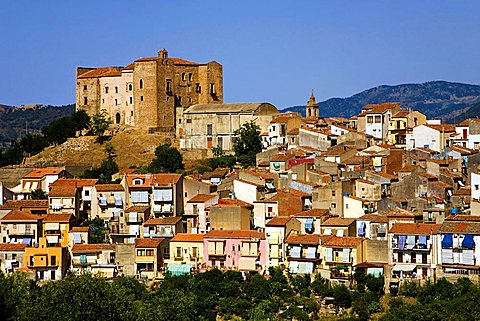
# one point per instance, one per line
(236, 234)
(62, 191)
(12, 247)
(58, 218)
(41, 172)
(201, 198)
(17, 204)
(282, 118)
(230, 202)
(149, 243)
(280, 157)
(79, 229)
(79, 182)
(183, 62)
(379, 108)
(442, 127)
(312, 239)
(338, 221)
(460, 227)
(415, 228)
(153, 179)
(468, 218)
(109, 188)
(375, 218)
(16, 215)
(343, 241)
(146, 59)
(94, 73)
(138, 208)
(92, 248)
(185, 237)
(163, 221)
(365, 181)
(314, 212)
(279, 221)
(130, 67)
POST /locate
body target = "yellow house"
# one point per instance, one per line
(50, 258)
(341, 255)
(149, 255)
(186, 253)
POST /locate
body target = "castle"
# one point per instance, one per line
(147, 92)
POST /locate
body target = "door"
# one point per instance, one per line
(400, 257)
(424, 258)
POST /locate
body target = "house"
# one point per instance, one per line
(37, 207)
(186, 254)
(318, 138)
(48, 260)
(78, 235)
(372, 226)
(11, 257)
(230, 214)
(413, 250)
(281, 125)
(97, 259)
(374, 119)
(64, 199)
(339, 226)
(196, 215)
(400, 215)
(433, 136)
(150, 254)
(162, 192)
(108, 200)
(304, 255)
(205, 126)
(331, 196)
(354, 207)
(340, 255)
(86, 187)
(56, 229)
(311, 220)
(129, 224)
(241, 250)
(368, 190)
(401, 123)
(247, 191)
(39, 179)
(21, 228)
(458, 252)
(164, 227)
(277, 230)
(215, 177)
(192, 187)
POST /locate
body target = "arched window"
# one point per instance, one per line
(309, 113)
(130, 87)
(117, 118)
(141, 83)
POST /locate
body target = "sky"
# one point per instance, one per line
(271, 51)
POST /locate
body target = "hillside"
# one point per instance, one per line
(16, 121)
(437, 99)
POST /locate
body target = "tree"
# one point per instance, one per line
(97, 230)
(248, 143)
(99, 123)
(38, 194)
(168, 160)
(80, 120)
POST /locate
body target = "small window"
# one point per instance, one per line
(378, 119)
(84, 87)
(140, 83)
(141, 98)
(180, 121)
(116, 89)
(183, 76)
(131, 100)
(106, 89)
(87, 192)
(333, 193)
(198, 88)
(131, 113)
(130, 87)
(190, 77)
(209, 129)
(168, 86)
(116, 102)
(212, 89)
(85, 100)
(189, 121)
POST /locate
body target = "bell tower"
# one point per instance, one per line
(312, 109)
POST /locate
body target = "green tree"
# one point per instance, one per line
(80, 120)
(97, 230)
(248, 143)
(99, 123)
(38, 194)
(167, 160)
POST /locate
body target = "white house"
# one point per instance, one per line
(434, 137)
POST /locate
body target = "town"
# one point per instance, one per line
(388, 191)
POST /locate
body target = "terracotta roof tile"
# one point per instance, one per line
(312, 239)
(148, 243)
(338, 221)
(183, 62)
(94, 73)
(185, 237)
(138, 208)
(163, 221)
(12, 247)
(236, 234)
(16, 215)
(79, 182)
(415, 228)
(279, 221)
(41, 172)
(92, 248)
(109, 188)
(460, 227)
(442, 127)
(79, 229)
(202, 198)
(375, 218)
(281, 157)
(314, 212)
(63, 191)
(153, 179)
(58, 218)
(343, 241)
(17, 204)
(468, 218)
(230, 202)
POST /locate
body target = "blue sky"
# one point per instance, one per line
(275, 51)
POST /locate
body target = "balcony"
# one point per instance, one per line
(311, 258)
(20, 232)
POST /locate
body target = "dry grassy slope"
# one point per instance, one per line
(133, 147)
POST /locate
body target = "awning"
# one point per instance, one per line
(26, 240)
(447, 241)
(468, 241)
(340, 267)
(177, 269)
(405, 267)
(422, 240)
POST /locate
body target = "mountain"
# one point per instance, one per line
(16, 121)
(437, 99)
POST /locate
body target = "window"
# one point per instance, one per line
(190, 76)
(131, 113)
(168, 86)
(84, 87)
(130, 87)
(116, 89)
(269, 209)
(476, 187)
(140, 83)
(333, 193)
(346, 206)
(53, 260)
(131, 100)
(212, 89)
(198, 89)
(85, 100)
(116, 102)
(137, 181)
(378, 119)
(140, 252)
(178, 253)
(87, 192)
(141, 98)
(195, 209)
(106, 89)
(183, 76)
(209, 129)
(209, 142)
(194, 251)
(333, 205)
(149, 252)
(370, 119)
(189, 121)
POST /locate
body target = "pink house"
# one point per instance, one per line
(241, 250)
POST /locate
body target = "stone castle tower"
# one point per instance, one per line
(146, 93)
(312, 108)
